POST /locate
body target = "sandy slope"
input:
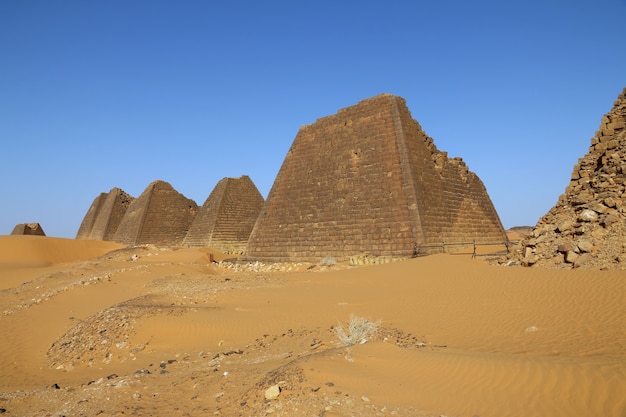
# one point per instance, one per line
(143, 331)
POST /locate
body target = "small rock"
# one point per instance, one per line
(609, 219)
(564, 247)
(587, 216)
(582, 259)
(564, 225)
(272, 392)
(585, 245)
(571, 256)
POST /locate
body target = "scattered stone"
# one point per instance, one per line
(565, 247)
(571, 256)
(565, 225)
(587, 216)
(584, 245)
(272, 392)
(582, 260)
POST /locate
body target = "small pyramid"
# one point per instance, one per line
(159, 216)
(31, 229)
(587, 227)
(226, 218)
(368, 181)
(104, 215)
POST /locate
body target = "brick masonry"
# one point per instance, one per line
(369, 181)
(226, 218)
(160, 216)
(105, 215)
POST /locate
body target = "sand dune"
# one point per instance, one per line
(147, 331)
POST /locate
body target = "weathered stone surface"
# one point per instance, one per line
(587, 216)
(582, 260)
(272, 392)
(34, 229)
(227, 217)
(591, 211)
(565, 225)
(585, 245)
(369, 181)
(105, 215)
(159, 216)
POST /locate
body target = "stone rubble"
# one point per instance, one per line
(587, 227)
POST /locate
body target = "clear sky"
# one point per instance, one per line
(103, 94)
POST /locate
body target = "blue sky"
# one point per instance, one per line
(103, 94)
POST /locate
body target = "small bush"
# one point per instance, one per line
(357, 330)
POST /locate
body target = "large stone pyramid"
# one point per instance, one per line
(369, 182)
(160, 216)
(587, 227)
(227, 217)
(104, 215)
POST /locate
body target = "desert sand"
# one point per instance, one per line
(97, 329)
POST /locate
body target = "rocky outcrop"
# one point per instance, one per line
(587, 227)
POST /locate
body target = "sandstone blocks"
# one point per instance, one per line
(369, 181)
(226, 218)
(160, 216)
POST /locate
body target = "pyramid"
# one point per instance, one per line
(104, 215)
(227, 217)
(368, 181)
(28, 229)
(159, 216)
(587, 226)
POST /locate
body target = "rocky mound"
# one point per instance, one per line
(587, 227)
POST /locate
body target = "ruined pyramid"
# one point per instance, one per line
(31, 229)
(368, 181)
(160, 216)
(226, 218)
(587, 226)
(104, 215)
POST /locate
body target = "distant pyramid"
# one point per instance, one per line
(587, 227)
(227, 217)
(159, 216)
(28, 229)
(368, 181)
(104, 215)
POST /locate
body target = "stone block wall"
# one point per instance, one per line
(227, 217)
(365, 181)
(104, 215)
(86, 226)
(159, 216)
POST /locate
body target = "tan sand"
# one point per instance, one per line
(152, 332)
